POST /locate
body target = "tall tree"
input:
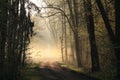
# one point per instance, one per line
(3, 28)
(117, 36)
(106, 20)
(114, 38)
(74, 11)
(91, 32)
(14, 38)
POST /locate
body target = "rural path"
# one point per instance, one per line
(55, 72)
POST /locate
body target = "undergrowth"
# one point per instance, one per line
(30, 73)
(107, 73)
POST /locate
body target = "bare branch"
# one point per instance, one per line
(49, 15)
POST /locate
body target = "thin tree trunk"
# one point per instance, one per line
(66, 54)
(76, 37)
(62, 53)
(72, 48)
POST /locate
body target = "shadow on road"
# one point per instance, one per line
(60, 73)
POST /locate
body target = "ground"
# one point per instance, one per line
(53, 72)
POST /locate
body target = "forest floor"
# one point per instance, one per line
(53, 72)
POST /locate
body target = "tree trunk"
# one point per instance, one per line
(114, 39)
(117, 36)
(3, 28)
(65, 31)
(91, 32)
(72, 48)
(76, 37)
(106, 20)
(62, 45)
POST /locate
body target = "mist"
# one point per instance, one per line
(43, 47)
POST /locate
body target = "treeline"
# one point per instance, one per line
(15, 31)
(90, 29)
(98, 19)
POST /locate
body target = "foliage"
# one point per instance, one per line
(15, 31)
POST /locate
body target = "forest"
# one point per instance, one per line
(59, 40)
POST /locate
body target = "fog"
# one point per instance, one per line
(43, 47)
(43, 51)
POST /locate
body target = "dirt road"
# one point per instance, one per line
(55, 72)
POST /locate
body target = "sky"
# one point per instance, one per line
(37, 2)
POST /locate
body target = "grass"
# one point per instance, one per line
(73, 68)
(30, 74)
(106, 73)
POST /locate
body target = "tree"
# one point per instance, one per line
(106, 20)
(14, 38)
(75, 25)
(113, 37)
(3, 28)
(117, 36)
(91, 32)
